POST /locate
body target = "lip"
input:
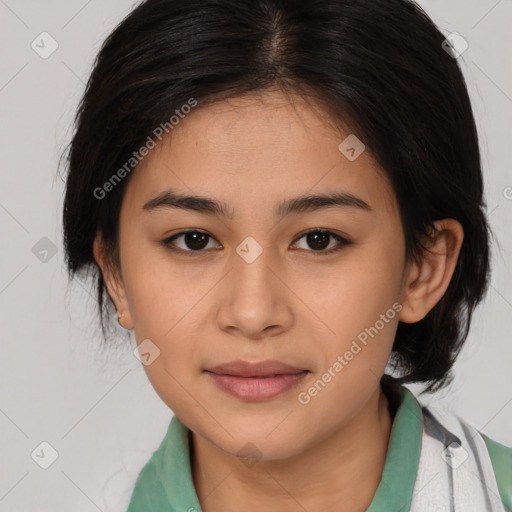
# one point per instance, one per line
(260, 369)
(256, 381)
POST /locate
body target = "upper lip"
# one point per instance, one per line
(247, 369)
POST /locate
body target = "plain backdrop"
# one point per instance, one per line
(96, 410)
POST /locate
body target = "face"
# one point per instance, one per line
(251, 283)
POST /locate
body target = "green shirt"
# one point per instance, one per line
(165, 483)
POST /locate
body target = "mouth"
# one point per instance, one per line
(256, 381)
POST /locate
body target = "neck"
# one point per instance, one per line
(341, 473)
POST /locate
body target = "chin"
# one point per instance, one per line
(261, 442)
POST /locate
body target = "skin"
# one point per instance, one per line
(292, 303)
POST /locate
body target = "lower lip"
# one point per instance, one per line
(256, 388)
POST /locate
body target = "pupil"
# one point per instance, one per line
(196, 240)
(316, 239)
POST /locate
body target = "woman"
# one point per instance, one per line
(284, 200)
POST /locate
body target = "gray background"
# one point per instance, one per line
(97, 410)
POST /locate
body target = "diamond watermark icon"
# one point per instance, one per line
(454, 455)
(44, 45)
(249, 454)
(351, 147)
(146, 352)
(44, 250)
(44, 455)
(249, 249)
(455, 45)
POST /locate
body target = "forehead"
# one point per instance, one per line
(254, 151)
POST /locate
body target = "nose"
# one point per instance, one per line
(254, 301)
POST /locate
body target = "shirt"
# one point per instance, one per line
(165, 483)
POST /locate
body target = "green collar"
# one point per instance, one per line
(166, 480)
(399, 474)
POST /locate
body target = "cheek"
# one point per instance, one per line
(359, 306)
(160, 293)
(165, 308)
(359, 290)
(362, 323)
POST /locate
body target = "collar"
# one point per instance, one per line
(393, 493)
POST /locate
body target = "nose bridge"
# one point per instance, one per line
(252, 302)
(253, 262)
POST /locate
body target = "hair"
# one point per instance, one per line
(376, 65)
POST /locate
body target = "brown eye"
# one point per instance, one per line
(318, 240)
(193, 241)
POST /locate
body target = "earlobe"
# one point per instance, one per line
(113, 282)
(427, 280)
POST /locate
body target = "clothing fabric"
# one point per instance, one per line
(436, 462)
(455, 470)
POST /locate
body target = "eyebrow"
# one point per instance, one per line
(301, 204)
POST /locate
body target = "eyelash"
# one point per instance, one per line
(167, 242)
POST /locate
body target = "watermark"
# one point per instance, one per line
(454, 455)
(44, 454)
(44, 250)
(455, 45)
(249, 454)
(249, 249)
(44, 45)
(304, 397)
(137, 156)
(351, 147)
(507, 192)
(146, 352)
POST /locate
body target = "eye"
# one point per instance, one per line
(318, 240)
(194, 241)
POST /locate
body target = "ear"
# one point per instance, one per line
(426, 281)
(113, 281)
